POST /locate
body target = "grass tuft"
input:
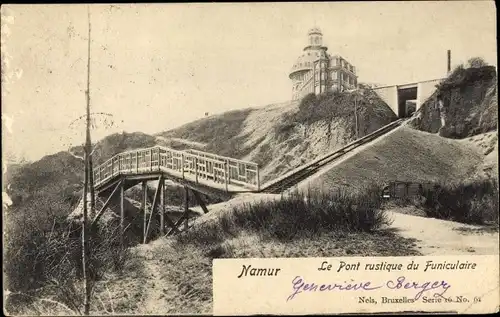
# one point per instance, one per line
(474, 202)
(296, 215)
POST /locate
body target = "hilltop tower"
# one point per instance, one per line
(316, 71)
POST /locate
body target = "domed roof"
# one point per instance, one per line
(306, 60)
(314, 30)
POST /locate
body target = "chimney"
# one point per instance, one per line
(449, 62)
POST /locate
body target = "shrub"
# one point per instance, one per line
(295, 215)
(371, 111)
(473, 202)
(43, 252)
(476, 62)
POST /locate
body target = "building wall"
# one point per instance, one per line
(390, 96)
(335, 74)
(390, 93)
(425, 90)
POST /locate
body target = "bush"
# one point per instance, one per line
(43, 254)
(476, 62)
(333, 106)
(295, 215)
(461, 77)
(474, 202)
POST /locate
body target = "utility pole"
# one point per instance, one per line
(87, 177)
(448, 61)
(356, 112)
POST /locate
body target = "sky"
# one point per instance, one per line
(156, 67)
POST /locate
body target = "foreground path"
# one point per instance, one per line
(441, 237)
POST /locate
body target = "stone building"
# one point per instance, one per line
(316, 71)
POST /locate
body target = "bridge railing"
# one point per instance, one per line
(238, 172)
(197, 164)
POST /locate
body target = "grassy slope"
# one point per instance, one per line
(405, 155)
(487, 145)
(220, 133)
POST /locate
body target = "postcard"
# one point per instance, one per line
(250, 158)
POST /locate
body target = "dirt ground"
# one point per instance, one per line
(443, 237)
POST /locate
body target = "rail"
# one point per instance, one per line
(189, 164)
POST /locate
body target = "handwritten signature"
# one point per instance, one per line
(300, 286)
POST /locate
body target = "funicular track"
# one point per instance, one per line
(294, 177)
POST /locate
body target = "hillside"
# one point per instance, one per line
(405, 154)
(281, 137)
(487, 145)
(469, 104)
(60, 176)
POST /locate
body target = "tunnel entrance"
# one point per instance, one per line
(406, 101)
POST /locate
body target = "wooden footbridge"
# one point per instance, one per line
(198, 172)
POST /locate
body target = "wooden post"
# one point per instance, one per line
(122, 213)
(158, 158)
(206, 169)
(144, 206)
(214, 170)
(182, 164)
(186, 207)
(226, 174)
(85, 237)
(151, 159)
(196, 168)
(130, 162)
(162, 209)
(112, 166)
(137, 162)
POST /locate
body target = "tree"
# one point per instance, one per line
(476, 62)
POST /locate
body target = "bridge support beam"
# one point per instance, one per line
(122, 214)
(106, 204)
(143, 207)
(186, 207)
(162, 210)
(200, 201)
(174, 226)
(154, 205)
